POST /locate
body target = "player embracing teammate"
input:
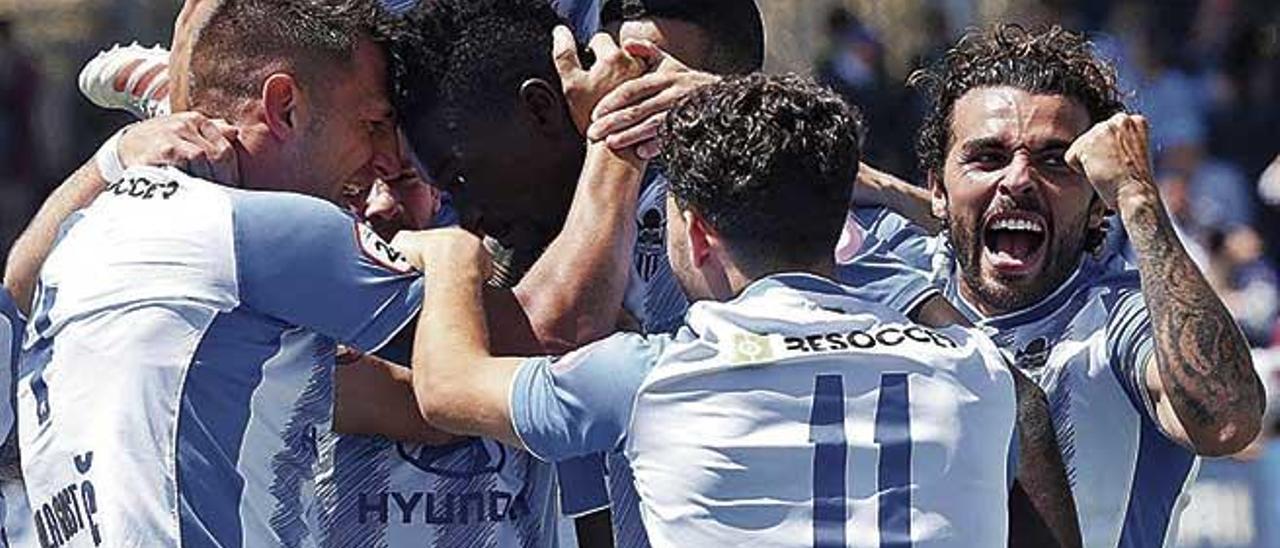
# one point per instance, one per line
(801, 402)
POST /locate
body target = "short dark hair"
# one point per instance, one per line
(244, 41)
(734, 28)
(470, 56)
(768, 161)
(1042, 60)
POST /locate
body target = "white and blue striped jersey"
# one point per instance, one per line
(178, 364)
(1086, 345)
(799, 414)
(476, 492)
(377, 492)
(654, 297)
(12, 327)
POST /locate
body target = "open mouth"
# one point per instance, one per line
(1015, 242)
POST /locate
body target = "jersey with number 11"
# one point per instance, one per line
(798, 414)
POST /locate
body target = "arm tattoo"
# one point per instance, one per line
(1203, 358)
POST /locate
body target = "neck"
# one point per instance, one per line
(741, 276)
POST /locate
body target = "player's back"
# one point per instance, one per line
(180, 362)
(798, 415)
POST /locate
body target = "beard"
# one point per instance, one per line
(1001, 293)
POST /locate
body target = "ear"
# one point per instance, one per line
(545, 107)
(280, 98)
(701, 238)
(938, 199)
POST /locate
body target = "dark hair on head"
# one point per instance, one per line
(244, 41)
(1041, 60)
(768, 161)
(735, 31)
(470, 56)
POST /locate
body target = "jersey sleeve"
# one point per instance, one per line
(306, 262)
(891, 233)
(1130, 347)
(885, 278)
(582, 402)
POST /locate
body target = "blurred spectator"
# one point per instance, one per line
(853, 64)
(1246, 281)
(19, 84)
(1219, 193)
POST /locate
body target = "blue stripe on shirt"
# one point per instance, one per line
(212, 419)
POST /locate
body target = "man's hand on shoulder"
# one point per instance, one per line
(190, 141)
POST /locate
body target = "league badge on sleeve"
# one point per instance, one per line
(381, 252)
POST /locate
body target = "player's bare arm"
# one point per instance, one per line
(1206, 392)
(571, 293)
(881, 188)
(460, 386)
(369, 398)
(189, 141)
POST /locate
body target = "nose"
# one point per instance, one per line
(1019, 178)
(383, 204)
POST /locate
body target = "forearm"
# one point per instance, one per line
(572, 293)
(32, 248)
(460, 387)
(1205, 370)
(373, 396)
(878, 188)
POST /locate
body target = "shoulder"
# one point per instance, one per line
(619, 348)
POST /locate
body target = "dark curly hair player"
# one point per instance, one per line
(790, 126)
(1030, 154)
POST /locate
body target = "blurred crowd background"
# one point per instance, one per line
(1206, 73)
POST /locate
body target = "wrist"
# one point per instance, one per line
(1137, 193)
(617, 163)
(108, 161)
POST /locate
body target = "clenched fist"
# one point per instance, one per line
(1115, 157)
(444, 250)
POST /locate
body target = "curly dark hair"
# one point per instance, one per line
(1042, 60)
(768, 161)
(470, 55)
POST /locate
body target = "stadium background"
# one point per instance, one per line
(1207, 72)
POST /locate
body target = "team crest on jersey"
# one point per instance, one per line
(1033, 355)
(472, 457)
(650, 244)
(379, 251)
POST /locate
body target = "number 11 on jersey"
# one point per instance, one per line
(830, 462)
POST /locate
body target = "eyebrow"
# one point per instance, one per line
(985, 143)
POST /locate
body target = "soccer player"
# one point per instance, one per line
(1027, 147)
(791, 410)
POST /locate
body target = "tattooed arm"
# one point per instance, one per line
(1203, 386)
